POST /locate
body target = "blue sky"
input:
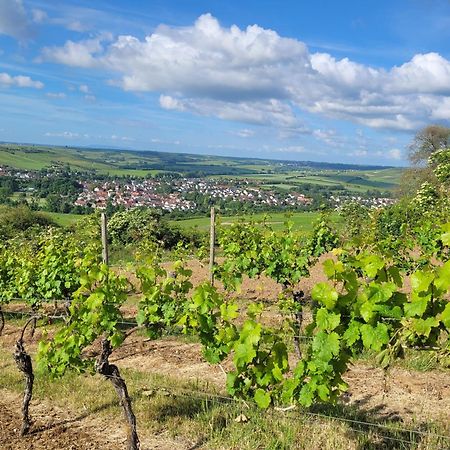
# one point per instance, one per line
(326, 81)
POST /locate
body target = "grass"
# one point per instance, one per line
(303, 221)
(192, 412)
(64, 220)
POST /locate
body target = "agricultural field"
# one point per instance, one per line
(64, 220)
(358, 181)
(303, 221)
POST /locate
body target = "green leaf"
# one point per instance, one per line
(116, 339)
(367, 311)
(374, 337)
(231, 382)
(254, 309)
(325, 294)
(394, 273)
(324, 392)
(352, 333)
(417, 306)
(423, 327)
(244, 353)
(326, 320)
(442, 280)
(332, 268)
(262, 398)
(325, 346)
(371, 264)
(229, 311)
(446, 235)
(420, 280)
(445, 316)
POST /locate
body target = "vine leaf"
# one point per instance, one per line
(262, 398)
(325, 294)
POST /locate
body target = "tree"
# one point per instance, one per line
(426, 142)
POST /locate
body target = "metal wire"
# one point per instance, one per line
(188, 393)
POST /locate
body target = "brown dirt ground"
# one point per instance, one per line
(55, 428)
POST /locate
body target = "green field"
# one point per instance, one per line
(303, 221)
(358, 181)
(64, 220)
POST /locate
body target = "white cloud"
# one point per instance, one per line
(19, 81)
(359, 153)
(270, 112)
(168, 102)
(254, 75)
(395, 153)
(39, 16)
(14, 20)
(56, 95)
(327, 136)
(244, 133)
(64, 134)
(84, 88)
(122, 138)
(76, 54)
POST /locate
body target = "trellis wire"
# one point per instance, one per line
(185, 392)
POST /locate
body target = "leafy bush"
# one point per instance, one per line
(137, 225)
(14, 220)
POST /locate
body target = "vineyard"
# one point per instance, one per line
(378, 301)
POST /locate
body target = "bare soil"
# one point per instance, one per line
(56, 429)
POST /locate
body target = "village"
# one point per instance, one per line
(169, 194)
(180, 193)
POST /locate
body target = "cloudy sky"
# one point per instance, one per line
(332, 81)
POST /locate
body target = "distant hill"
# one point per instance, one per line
(129, 162)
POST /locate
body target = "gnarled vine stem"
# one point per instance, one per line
(24, 364)
(111, 372)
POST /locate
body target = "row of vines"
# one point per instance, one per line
(386, 292)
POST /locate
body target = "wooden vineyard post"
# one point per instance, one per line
(110, 371)
(212, 240)
(105, 252)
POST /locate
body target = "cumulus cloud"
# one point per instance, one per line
(14, 20)
(254, 75)
(19, 81)
(76, 54)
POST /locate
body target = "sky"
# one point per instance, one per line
(349, 81)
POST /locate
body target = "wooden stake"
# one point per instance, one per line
(105, 252)
(212, 241)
